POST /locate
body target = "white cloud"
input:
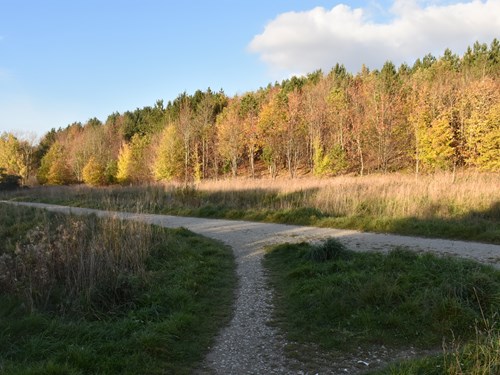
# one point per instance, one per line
(319, 38)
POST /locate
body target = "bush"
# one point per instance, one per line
(9, 181)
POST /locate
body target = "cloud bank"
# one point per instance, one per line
(319, 38)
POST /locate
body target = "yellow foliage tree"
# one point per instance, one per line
(124, 161)
(169, 159)
(59, 173)
(54, 169)
(94, 173)
(489, 145)
(16, 156)
(272, 120)
(435, 144)
(230, 135)
(133, 161)
(482, 127)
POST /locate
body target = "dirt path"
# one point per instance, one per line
(249, 345)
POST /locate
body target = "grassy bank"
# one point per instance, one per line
(465, 206)
(88, 295)
(342, 300)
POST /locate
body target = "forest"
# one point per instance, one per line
(440, 114)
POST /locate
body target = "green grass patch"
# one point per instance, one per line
(160, 319)
(340, 299)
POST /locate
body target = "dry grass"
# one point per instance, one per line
(395, 195)
(76, 262)
(463, 206)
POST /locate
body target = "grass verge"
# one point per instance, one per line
(341, 300)
(156, 313)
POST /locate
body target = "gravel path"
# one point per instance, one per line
(250, 345)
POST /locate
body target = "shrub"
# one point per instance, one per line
(8, 181)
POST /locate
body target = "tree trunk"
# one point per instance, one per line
(251, 159)
(234, 166)
(361, 159)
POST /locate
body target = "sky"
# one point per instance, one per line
(65, 61)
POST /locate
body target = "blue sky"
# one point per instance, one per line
(65, 61)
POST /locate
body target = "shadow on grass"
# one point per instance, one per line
(482, 226)
(272, 205)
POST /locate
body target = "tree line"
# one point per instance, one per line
(439, 114)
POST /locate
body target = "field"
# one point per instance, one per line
(159, 283)
(88, 295)
(464, 206)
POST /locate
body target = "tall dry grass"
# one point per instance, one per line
(464, 205)
(77, 263)
(441, 195)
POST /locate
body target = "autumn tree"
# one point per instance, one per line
(134, 161)
(489, 147)
(94, 173)
(481, 123)
(169, 160)
(435, 144)
(331, 157)
(316, 116)
(249, 114)
(356, 94)
(272, 120)
(207, 106)
(231, 135)
(294, 131)
(10, 154)
(54, 169)
(187, 131)
(386, 120)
